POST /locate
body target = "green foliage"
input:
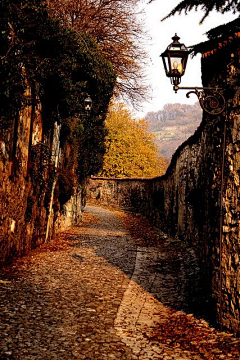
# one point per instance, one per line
(49, 186)
(29, 208)
(40, 161)
(130, 149)
(228, 29)
(64, 187)
(59, 64)
(207, 6)
(12, 53)
(216, 35)
(92, 148)
(71, 132)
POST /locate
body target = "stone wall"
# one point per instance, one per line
(26, 185)
(198, 198)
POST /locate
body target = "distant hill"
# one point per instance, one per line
(173, 125)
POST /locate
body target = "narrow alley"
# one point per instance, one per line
(113, 288)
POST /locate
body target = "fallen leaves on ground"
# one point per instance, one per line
(141, 229)
(60, 242)
(182, 330)
(190, 334)
(89, 219)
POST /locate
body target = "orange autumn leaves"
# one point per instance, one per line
(130, 149)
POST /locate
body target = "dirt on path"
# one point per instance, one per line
(113, 288)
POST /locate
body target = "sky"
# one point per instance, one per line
(190, 32)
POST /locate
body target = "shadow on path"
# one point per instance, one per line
(166, 268)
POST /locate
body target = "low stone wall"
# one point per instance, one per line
(198, 199)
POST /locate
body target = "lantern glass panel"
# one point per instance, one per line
(175, 60)
(177, 65)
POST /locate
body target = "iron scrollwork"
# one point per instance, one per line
(213, 102)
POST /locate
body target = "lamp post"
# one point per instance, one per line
(87, 106)
(175, 61)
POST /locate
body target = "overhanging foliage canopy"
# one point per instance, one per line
(60, 66)
(119, 31)
(207, 6)
(65, 65)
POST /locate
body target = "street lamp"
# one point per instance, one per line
(175, 61)
(88, 104)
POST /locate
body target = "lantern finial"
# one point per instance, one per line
(175, 38)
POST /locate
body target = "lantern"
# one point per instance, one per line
(175, 60)
(88, 103)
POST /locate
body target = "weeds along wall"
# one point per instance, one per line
(198, 199)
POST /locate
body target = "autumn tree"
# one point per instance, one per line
(130, 149)
(118, 31)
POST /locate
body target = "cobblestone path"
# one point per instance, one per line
(97, 292)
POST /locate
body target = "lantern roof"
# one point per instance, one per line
(175, 46)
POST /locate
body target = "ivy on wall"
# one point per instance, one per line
(61, 66)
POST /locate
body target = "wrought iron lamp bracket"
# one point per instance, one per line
(210, 99)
